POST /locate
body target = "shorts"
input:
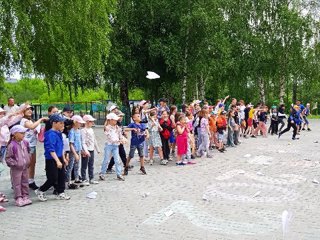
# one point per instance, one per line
(220, 137)
(250, 122)
(33, 150)
(172, 138)
(133, 149)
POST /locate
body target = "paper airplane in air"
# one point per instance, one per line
(152, 75)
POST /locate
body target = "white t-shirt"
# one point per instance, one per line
(31, 134)
(242, 114)
(12, 109)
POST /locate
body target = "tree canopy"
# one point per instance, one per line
(257, 50)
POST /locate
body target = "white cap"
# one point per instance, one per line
(24, 106)
(78, 119)
(2, 110)
(113, 107)
(143, 102)
(89, 118)
(18, 129)
(112, 116)
(197, 101)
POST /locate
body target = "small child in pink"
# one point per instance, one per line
(181, 139)
(18, 159)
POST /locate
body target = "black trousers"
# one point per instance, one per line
(290, 125)
(165, 147)
(281, 121)
(274, 127)
(55, 176)
(123, 156)
(87, 162)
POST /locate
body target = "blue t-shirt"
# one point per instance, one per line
(75, 138)
(53, 143)
(138, 137)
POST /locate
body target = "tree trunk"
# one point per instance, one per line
(294, 90)
(185, 70)
(262, 91)
(124, 95)
(282, 87)
(202, 87)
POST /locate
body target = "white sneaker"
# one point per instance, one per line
(151, 162)
(63, 196)
(41, 195)
(86, 183)
(92, 181)
(163, 162)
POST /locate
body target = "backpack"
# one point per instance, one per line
(221, 122)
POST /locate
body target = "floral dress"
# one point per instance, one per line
(154, 139)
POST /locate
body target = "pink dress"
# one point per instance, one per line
(182, 141)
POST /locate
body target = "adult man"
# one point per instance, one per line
(10, 107)
(162, 106)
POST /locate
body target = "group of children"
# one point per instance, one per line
(70, 142)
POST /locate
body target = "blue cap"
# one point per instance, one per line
(56, 118)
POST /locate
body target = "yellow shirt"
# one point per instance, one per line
(251, 113)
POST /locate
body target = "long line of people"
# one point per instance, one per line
(70, 143)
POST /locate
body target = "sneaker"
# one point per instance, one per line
(143, 170)
(110, 171)
(33, 186)
(102, 177)
(73, 186)
(309, 129)
(193, 157)
(20, 202)
(63, 196)
(253, 136)
(86, 183)
(180, 163)
(92, 181)
(170, 158)
(120, 177)
(151, 162)
(126, 170)
(303, 129)
(163, 162)
(209, 156)
(41, 195)
(27, 201)
(77, 181)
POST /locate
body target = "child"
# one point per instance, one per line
(262, 117)
(191, 143)
(89, 143)
(138, 135)
(172, 140)
(231, 127)
(55, 160)
(274, 121)
(181, 139)
(305, 113)
(221, 127)
(18, 159)
(114, 138)
(250, 129)
(155, 140)
(31, 137)
(204, 133)
(75, 150)
(166, 126)
(213, 129)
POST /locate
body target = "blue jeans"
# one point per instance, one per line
(111, 151)
(73, 164)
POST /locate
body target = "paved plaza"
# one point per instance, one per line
(245, 193)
